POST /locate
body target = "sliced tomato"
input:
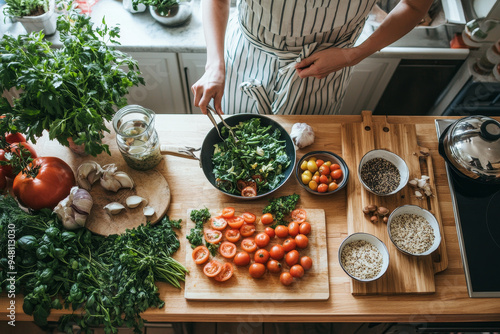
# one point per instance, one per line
(247, 230)
(248, 217)
(218, 223)
(233, 235)
(248, 245)
(235, 222)
(200, 254)
(299, 215)
(227, 249)
(212, 268)
(228, 212)
(249, 192)
(213, 236)
(225, 273)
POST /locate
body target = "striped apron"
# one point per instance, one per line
(264, 40)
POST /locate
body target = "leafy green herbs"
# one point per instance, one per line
(70, 91)
(110, 281)
(19, 8)
(199, 217)
(163, 7)
(259, 158)
(280, 207)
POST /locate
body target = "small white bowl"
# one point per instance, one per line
(391, 157)
(375, 242)
(414, 209)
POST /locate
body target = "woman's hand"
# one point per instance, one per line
(324, 62)
(209, 86)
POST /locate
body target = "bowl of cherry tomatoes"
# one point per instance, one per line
(322, 172)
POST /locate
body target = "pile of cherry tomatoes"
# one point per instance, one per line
(228, 229)
(320, 175)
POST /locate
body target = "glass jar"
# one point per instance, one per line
(136, 137)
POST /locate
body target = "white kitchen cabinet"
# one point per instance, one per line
(368, 81)
(163, 91)
(192, 66)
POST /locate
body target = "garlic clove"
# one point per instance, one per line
(148, 211)
(413, 183)
(113, 208)
(113, 180)
(419, 194)
(134, 201)
(124, 179)
(87, 174)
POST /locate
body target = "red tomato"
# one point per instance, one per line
(332, 186)
(322, 188)
(270, 232)
(235, 222)
(316, 178)
(249, 192)
(289, 244)
(218, 223)
(15, 137)
(200, 254)
(319, 162)
(247, 230)
(334, 167)
(299, 215)
(281, 231)
(228, 212)
(292, 257)
(277, 252)
(248, 245)
(323, 179)
(225, 273)
(267, 218)
(286, 278)
(273, 266)
(297, 271)
(232, 234)
(293, 228)
(14, 149)
(261, 256)
(227, 249)
(336, 174)
(324, 170)
(241, 259)
(3, 180)
(212, 268)
(248, 217)
(305, 228)
(257, 270)
(51, 184)
(262, 239)
(213, 236)
(302, 241)
(306, 262)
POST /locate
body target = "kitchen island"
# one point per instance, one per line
(190, 189)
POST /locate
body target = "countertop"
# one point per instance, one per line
(450, 302)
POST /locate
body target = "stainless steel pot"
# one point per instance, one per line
(471, 146)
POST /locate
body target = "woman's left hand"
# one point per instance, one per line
(324, 62)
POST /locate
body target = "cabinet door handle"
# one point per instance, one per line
(190, 98)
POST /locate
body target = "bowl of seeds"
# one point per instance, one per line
(413, 230)
(383, 173)
(363, 257)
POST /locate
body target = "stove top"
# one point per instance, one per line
(477, 218)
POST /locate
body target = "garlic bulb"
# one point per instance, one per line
(134, 201)
(302, 135)
(74, 209)
(88, 173)
(114, 208)
(113, 180)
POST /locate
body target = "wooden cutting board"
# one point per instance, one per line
(406, 274)
(314, 285)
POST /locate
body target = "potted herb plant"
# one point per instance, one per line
(71, 91)
(167, 12)
(34, 15)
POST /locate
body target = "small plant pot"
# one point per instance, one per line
(177, 15)
(45, 22)
(127, 4)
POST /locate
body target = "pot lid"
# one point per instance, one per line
(474, 145)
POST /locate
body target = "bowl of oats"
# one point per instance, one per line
(382, 172)
(414, 230)
(363, 257)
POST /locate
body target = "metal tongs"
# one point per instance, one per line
(209, 114)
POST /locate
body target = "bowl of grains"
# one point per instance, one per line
(382, 172)
(413, 230)
(363, 257)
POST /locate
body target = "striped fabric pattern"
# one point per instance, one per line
(267, 37)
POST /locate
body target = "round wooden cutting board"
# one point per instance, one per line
(150, 185)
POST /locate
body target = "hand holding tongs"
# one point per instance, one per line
(211, 110)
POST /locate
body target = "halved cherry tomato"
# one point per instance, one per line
(261, 256)
(249, 192)
(232, 234)
(267, 218)
(258, 178)
(305, 228)
(212, 268)
(227, 249)
(247, 230)
(228, 212)
(273, 266)
(225, 273)
(200, 254)
(218, 223)
(286, 278)
(302, 241)
(262, 239)
(297, 271)
(293, 228)
(248, 217)
(241, 259)
(292, 257)
(289, 244)
(235, 222)
(270, 232)
(257, 270)
(213, 236)
(277, 252)
(281, 231)
(336, 174)
(299, 215)
(248, 245)
(306, 262)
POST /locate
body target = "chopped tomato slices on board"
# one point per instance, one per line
(213, 236)
(212, 268)
(225, 273)
(200, 254)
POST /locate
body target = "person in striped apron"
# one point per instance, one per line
(290, 57)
